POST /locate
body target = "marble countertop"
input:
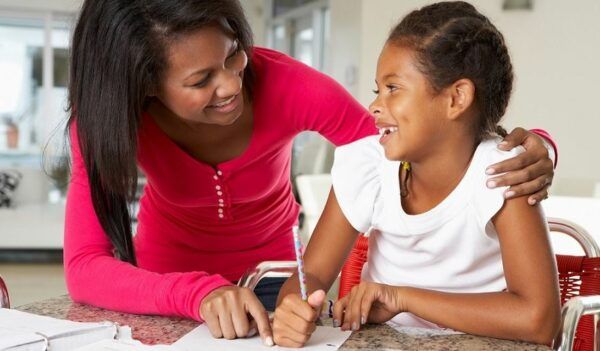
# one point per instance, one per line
(166, 330)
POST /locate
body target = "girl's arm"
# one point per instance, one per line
(529, 310)
(330, 243)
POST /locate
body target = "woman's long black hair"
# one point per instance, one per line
(117, 58)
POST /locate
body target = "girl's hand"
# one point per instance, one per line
(226, 311)
(295, 319)
(368, 302)
(530, 173)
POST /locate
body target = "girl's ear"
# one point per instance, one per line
(461, 96)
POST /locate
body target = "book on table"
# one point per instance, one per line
(22, 331)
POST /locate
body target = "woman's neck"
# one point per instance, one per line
(434, 177)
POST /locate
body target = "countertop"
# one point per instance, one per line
(166, 330)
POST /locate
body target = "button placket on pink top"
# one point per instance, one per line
(220, 192)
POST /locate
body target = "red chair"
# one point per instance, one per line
(578, 276)
(4, 300)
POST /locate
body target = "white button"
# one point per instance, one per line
(220, 173)
(221, 205)
(218, 187)
(221, 201)
(220, 210)
(221, 216)
(216, 177)
(219, 193)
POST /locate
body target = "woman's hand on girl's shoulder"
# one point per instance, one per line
(368, 302)
(226, 311)
(530, 173)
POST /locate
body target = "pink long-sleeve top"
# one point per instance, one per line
(201, 227)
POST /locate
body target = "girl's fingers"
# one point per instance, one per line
(294, 303)
(347, 317)
(285, 331)
(355, 306)
(338, 311)
(365, 306)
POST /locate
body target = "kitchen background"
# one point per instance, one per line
(555, 47)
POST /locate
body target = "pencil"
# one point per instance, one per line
(300, 261)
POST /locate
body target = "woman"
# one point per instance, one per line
(176, 88)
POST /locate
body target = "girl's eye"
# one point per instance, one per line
(376, 91)
(391, 88)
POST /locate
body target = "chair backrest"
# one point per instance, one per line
(313, 190)
(4, 300)
(577, 275)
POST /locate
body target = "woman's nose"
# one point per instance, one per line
(230, 83)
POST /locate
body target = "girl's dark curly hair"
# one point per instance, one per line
(452, 40)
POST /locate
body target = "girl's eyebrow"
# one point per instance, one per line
(389, 75)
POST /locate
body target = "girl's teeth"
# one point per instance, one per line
(390, 130)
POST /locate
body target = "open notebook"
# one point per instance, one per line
(29, 332)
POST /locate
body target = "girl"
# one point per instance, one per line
(444, 250)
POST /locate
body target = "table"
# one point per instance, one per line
(166, 330)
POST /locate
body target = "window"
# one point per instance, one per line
(300, 28)
(33, 89)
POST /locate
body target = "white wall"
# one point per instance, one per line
(255, 13)
(556, 54)
(41, 5)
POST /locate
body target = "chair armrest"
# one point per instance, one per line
(4, 300)
(273, 268)
(572, 311)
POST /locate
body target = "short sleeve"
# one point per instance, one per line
(356, 177)
(489, 201)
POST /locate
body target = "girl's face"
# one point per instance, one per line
(406, 110)
(203, 80)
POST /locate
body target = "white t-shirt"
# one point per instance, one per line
(453, 247)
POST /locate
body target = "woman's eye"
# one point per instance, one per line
(391, 88)
(235, 51)
(376, 91)
(202, 83)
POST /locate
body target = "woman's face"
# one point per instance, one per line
(203, 79)
(406, 110)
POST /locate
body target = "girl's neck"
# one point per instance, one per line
(433, 178)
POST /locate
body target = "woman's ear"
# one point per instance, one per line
(462, 95)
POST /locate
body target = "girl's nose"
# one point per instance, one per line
(375, 108)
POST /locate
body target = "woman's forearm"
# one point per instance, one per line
(502, 315)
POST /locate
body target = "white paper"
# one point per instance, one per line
(20, 331)
(324, 338)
